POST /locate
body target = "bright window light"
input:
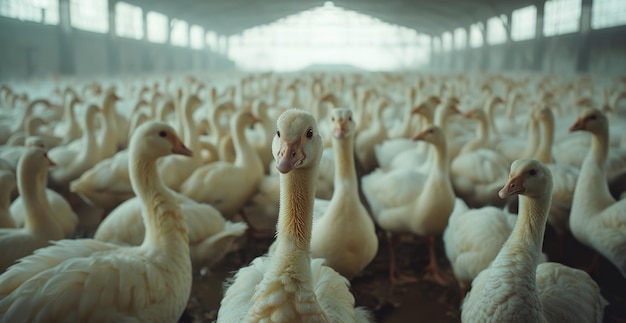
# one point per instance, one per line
(128, 21)
(327, 35)
(90, 15)
(446, 41)
(561, 17)
(476, 35)
(43, 11)
(196, 37)
(211, 40)
(524, 23)
(157, 27)
(180, 33)
(460, 38)
(496, 34)
(608, 13)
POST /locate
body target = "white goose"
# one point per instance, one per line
(288, 286)
(89, 280)
(515, 288)
(40, 227)
(237, 182)
(76, 157)
(210, 235)
(420, 205)
(596, 219)
(346, 251)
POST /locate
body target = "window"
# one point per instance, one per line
(524, 23)
(43, 11)
(561, 17)
(608, 13)
(436, 44)
(446, 41)
(460, 38)
(327, 35)
(91, 15)
(128, 21)
(476, 35)
(496, 33)
(157, 27)
(179, 35)
(211, 40)
(196, 35)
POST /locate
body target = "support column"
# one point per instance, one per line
(113, 54)
(169, 49)
(584, 45)
(146, 62)
(434, 58)
(484, 62)
(452, 54)
(540, 46)
(509, 52)
(66, 43)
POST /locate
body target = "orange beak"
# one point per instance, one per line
(50, 162)
(289, 156)
(579, 125)
(180, 148)
(513, 187)
(420, 136)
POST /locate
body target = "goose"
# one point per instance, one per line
(90, 280)
(108, 142)
(563, 176)
(288, 286)
(414, 202)
(7, 186)
(12, 154)
(515, 288)
(68, 128)
(346, 251)
(40, 227)
(210, 235)
(597, 220)
(78, 156)
(237, 181)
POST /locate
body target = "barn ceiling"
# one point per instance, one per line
(432, 17)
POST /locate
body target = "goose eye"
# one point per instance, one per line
(349, 118)
(592, 117)
(332, 119)
(532, 172)
(309, 134)
(278, 134)
(162, 133)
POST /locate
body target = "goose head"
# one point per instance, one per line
(592, 120)
(155, 139)
(343, 124)
(35, 160)
(433, 135)
(35, 142)
(243, 118)
(297, 143)
(527, 177)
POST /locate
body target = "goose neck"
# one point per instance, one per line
(164, 222)
(295, 219)
(544, 150)
(244, 152)
(600, 148)
(527, 235)
(32, 190)
(345, 172)
(533, 138)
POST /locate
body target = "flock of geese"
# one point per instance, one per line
(183, 167)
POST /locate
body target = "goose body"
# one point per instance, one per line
(40, 227)
(344, 236)
(89, 280)
(597, 219)
(515, 288)
(288, 286)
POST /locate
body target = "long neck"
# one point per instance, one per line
(442, 164)
(345, 172)
(245, 154)
(544, 151)
(31, 186)
(295, 219)
(489, 108)
(166, 228)
(189, 129)
(482, 132)
(587, 202)
(89, 137)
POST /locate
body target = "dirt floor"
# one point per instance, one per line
(421, 301)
